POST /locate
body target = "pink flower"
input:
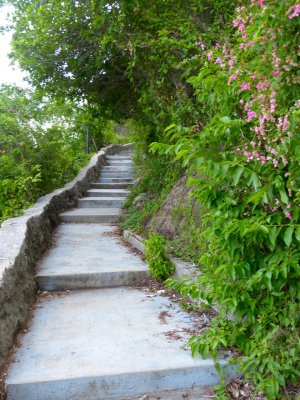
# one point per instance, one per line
(251, 115)
(272, 105)
(241, 28)
(232, 78)
(201, 45)
(231, 64)
(294, 11)
(275, 73)
(210, 56)
(245, 86)
(260, 3)
(288, 215)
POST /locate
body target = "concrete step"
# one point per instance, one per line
(98, 185)
(83, 215)
(119, 162)
(114, 180)
(104, 344)
(99, 202)
(112, 174)
(88, 256)
(202, 393)
(117, 168)
(107, 193)
(119, 157)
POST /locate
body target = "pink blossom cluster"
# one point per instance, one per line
(294, 11)
(257, 88)
(260, 3)
(259, 98)
(245, 86)
(201, 45)
(286, 209)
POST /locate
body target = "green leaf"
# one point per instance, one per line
(288, 234)
(297, 233)
(284, 197)
(273, 234)
(225, 120)
(254, 180)
(237, 175)
(231, 271)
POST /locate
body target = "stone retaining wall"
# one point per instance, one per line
(24, 239)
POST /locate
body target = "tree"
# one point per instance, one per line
(122, 55)
(41, 147)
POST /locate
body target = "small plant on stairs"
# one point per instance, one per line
(160, 266)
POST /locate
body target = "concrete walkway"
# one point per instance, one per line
(95, 335)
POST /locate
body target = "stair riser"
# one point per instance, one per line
(120, 163)
(111, 185)
(91, 281)
(81, 219)
(115, 180)
(109, 193)
(85, 203)
(115, 171)
(118, 167)
(110, 387)
(122, 158)
(109, 174)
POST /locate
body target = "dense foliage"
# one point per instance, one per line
(43, 145)
(246, 159)
(38, 151)
(225, 81)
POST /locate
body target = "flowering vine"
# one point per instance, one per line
(257, 84)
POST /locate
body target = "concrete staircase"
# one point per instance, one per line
(105, 199)
(94, 335)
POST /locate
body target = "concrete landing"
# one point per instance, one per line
(104, 344)
(82, 215)
(88, 256)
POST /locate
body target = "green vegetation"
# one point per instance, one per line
(213, 88)
(159, 265)
(42, 145)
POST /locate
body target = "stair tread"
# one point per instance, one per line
(72, 350)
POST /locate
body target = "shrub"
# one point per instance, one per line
(247, 147)
(160, 266)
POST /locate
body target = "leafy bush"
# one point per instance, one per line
(160, 266)
(247, 148)
(18, 194)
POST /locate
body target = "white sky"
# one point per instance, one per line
(8, 73)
